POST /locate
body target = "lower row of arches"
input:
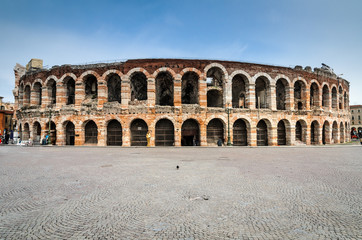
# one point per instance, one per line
(191, 134)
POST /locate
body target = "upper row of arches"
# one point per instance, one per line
(242, 89)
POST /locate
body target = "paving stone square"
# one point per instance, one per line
(217, 193)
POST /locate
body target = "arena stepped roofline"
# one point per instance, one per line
(109, 63)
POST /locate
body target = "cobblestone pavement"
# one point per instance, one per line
(218, 193)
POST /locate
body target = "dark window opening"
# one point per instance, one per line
(52, 91)
(325, 97)
(69, 134)
(314, 95)
(215, 77)
(114, 133)
(27, 96)
(261, 93)
(282, 139)
(299, 132)
(214, 98)
(281, 94)
(164, 89)
(70, 91)
(37, 132)
(262, 133)
(340, 90)
(91, 87)
(38, 93)
(215, 132)
(190, 133)
(190, 89)
(139, 130)
(91, 133)
(114, 88)
(334, 98)
(26, 132)
(138, 87)
(239, 92)
(164, 135)
(240, 133)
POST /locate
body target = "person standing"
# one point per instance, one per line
(148, 136)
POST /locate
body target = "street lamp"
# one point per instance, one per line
(50, 118)
(228, 110)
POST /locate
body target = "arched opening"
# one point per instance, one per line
(261, 92)
(215, 87)
(21, 95)
(70, 83)
(215, 131)
(53, 132)
(341, 133)
(190, 88)
(164, 135)
(27, 96)
(52, 91)
(262, 133)
(26, 132)
(91, 87)
(281, 94)
(91, 133)
(164, 89)
(114, 88)
(69, 133)
(114, 133)
(299, 95)
(340, 91)
(138, 86)
(335, 132)
(240, 133)
(38, 93)
(325, 97)
(282, 135)
(314, 133)
(139, 130)
(314, 95)
(190, 133)
(214, 98)
(36, 132)
(345, 101)
(239, 91)
(334, 98)
(298, 132)
(326, 133)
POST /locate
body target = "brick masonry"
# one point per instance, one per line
(332, 118)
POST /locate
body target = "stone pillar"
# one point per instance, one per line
(60, 134)
(79, 135)
(102, 133)
(251, 97)
(307, 99)
(289, 98)
(102, 93)
(203, 134)
(253, 136)
(125, 92)
(177, 92)
(151, 92)
(60, 96)
(45, 98)
(178, 132)
(307, 135)
(290, 135)
(228, 94)
(126, 138)
(79, 94)
(202, 91)
(320, 132)
(272, 136)
(33, 98)
(272, 98)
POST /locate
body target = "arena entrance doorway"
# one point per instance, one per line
(190, 133)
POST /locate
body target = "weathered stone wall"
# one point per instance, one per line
(334, 112)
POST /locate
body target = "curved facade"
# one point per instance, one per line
(183, 103)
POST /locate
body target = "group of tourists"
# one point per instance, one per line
(7, 137)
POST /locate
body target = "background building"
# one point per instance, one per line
(183, 102)
(6, 116)
(356, 117)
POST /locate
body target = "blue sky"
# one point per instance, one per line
(280, 32)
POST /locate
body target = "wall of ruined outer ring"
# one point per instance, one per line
(125, 114)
